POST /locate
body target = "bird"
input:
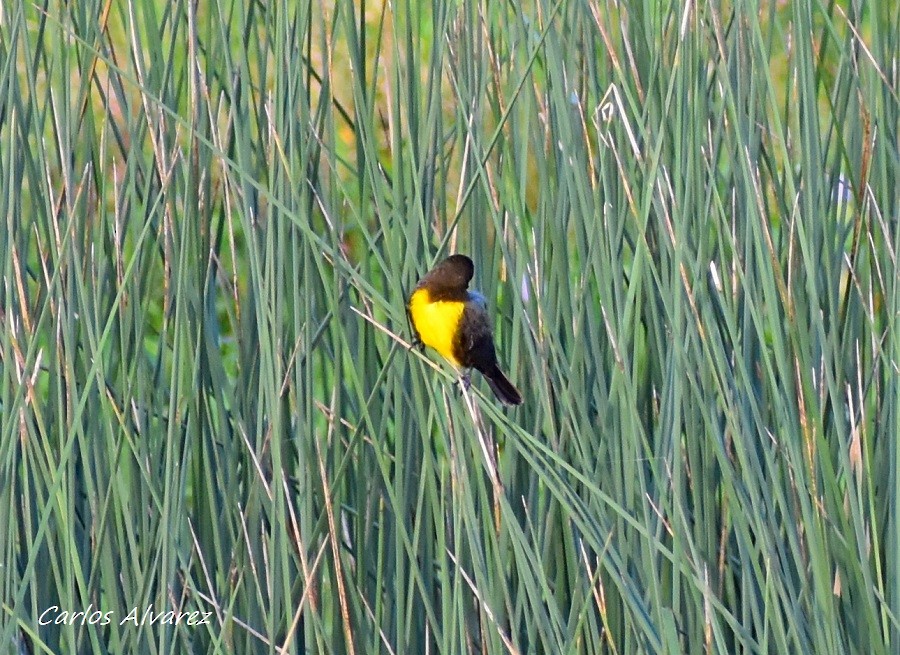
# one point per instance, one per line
(453, 320)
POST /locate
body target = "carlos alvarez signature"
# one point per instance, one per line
(53, 615)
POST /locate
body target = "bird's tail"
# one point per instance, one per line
(502, 387)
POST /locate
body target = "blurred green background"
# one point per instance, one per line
(684, 217)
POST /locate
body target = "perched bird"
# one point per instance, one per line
(455, 322)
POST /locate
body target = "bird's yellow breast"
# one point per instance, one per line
(436, 322)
